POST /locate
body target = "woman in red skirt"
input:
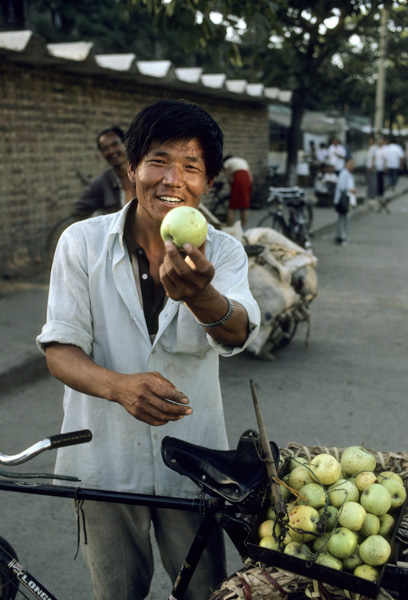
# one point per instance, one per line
(240, 179)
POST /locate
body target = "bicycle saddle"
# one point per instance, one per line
(231, 474)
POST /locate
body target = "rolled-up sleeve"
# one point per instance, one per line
(69, 319)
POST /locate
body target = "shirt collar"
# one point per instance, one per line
(117, 228)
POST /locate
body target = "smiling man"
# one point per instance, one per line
(112, 189)
(135, 330)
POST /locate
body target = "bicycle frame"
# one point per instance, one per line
(214, 511)
(229, 509)
(295, 225)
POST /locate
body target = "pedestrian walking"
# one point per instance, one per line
(344, 199)
(371, 174)
(337, 155)
(394, 162)
(380, 172)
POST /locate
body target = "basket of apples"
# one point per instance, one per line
(344, 507)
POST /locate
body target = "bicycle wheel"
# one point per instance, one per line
(8, 582)
(273, 220)
(55, 235)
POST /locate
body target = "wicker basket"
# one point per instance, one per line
(270, 583)
(261, 582)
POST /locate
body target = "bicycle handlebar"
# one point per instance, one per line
(50, 443)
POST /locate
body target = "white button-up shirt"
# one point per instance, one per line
(94, 304)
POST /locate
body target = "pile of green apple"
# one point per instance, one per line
(340, 514)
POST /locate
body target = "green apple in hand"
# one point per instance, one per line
(184, 225)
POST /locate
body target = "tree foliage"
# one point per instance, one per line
(306, 46)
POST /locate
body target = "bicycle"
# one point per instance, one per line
(236, 482)
(273, 177)
(291, 214)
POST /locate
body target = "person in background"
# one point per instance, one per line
(134, 330)
(345, 183)
(371, 175)
(313, 163)
(322, 154)
(111, 190)
(325, 185)
(337, 155)
(380, 171)
(394, 162)
(239, 177)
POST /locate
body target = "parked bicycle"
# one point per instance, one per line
(290, 213)
(236, 483)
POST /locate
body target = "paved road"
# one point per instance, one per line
(347, 387)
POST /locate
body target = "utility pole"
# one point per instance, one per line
(380, 90)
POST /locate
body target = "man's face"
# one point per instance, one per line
(169, 175)
(112, 149)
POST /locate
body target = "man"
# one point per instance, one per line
(380, 173)
(134, 329)
(371, 175)
(239, 177)
(346, 184)
(111, 190)
(394, 161)
(337, 155)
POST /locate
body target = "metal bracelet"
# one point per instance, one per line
(222, 321)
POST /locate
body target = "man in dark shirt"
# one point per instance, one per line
(111, 190)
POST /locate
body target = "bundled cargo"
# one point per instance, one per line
(283, 280)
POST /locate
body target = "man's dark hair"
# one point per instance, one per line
(166, 120)
(114, 129)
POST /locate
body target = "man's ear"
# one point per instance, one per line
(209, 185)
(131, 173)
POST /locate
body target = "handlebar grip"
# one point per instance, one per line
(70, 439)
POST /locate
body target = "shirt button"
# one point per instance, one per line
(145, 276)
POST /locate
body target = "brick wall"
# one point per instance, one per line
(48, 123)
